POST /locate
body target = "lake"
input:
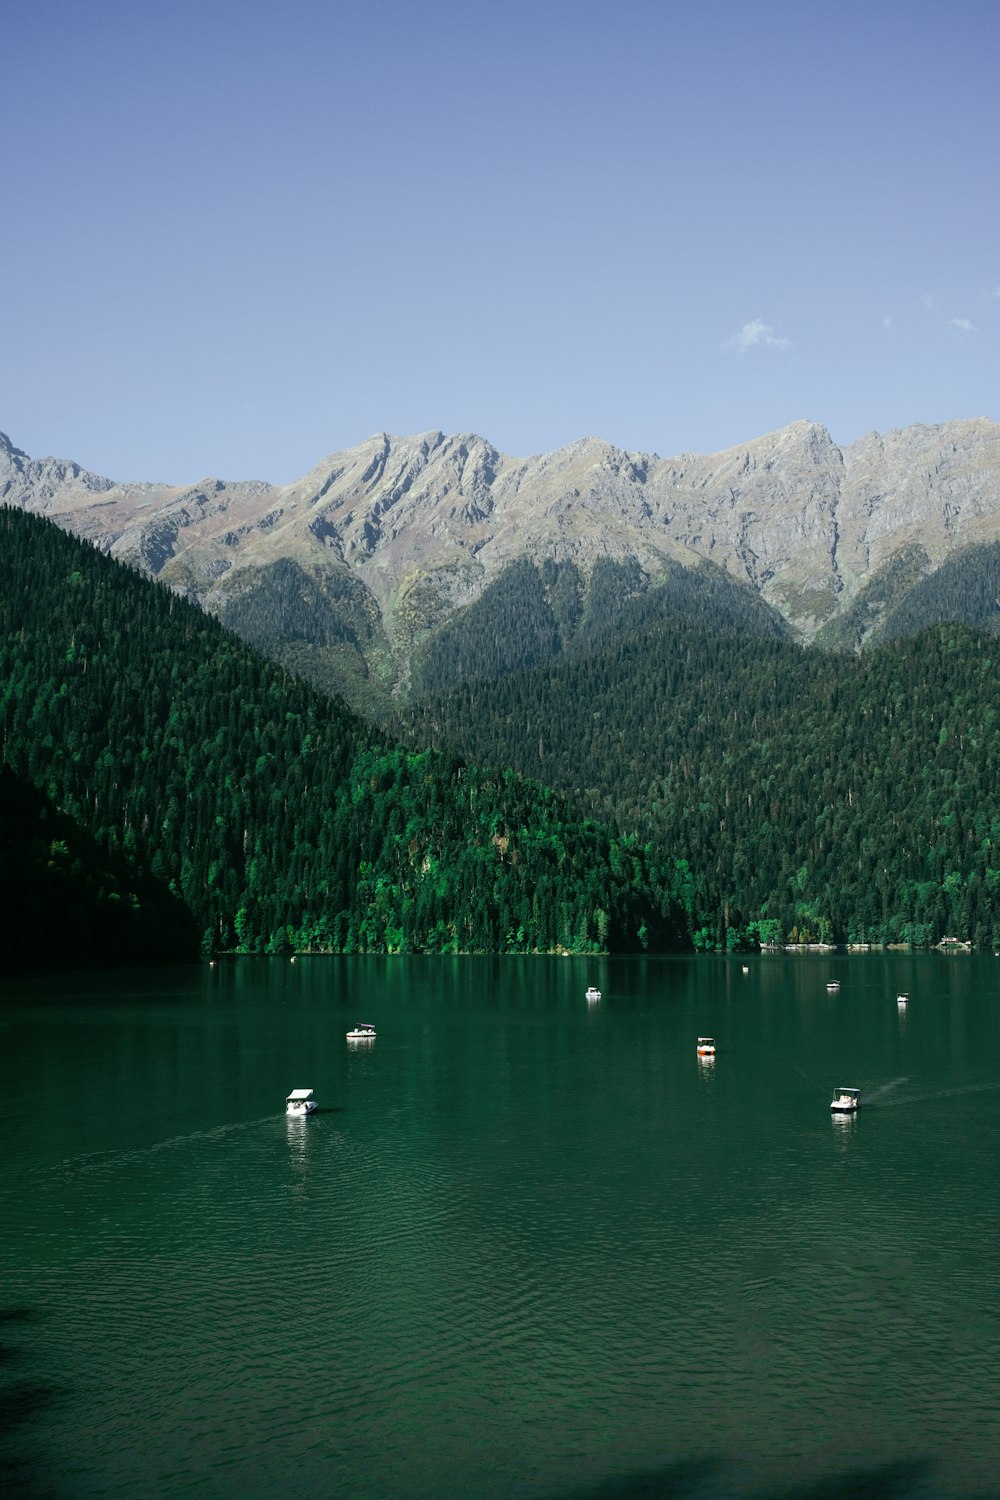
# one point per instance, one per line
(528, 1249)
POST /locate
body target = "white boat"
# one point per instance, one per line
(363, 1032)
(833, 984)
(300, 1102)
(706, 1046)
(592, 993)
(902, 998)
(846, 1101)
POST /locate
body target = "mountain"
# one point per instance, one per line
(349, 574)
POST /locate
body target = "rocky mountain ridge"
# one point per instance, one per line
(414, 528)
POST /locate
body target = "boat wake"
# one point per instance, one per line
(99, 1161)
(882, 1093)
(926, 1096)
(959, 1089)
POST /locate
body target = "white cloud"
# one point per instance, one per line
(887, 323)
(929, 301)
(960, 326)
(756, 335)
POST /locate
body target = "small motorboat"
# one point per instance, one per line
(363, 1032)
(706, 1046)
(833, 984)
(592, 993)
(300, 1102)
(845, 1101)
(902, 998)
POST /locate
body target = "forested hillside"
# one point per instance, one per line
(275, 815)
(875, 602)
(965, 588)
(320, 623)
(814, 796)
(536, 612)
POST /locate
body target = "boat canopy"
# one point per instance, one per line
(855, 1093)
(706, 1039)
(297, 1094)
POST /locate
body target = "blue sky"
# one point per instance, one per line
(238, 236)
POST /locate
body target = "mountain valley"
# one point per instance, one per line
(359, 575)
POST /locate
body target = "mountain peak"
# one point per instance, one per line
(7, 447)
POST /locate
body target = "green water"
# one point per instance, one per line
(529, 1247)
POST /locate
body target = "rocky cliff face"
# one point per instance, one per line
(425, 523)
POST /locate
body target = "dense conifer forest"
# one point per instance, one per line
(905, 596)
(965, 588)
(814, 796)
(534, 613)
(276, 816)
